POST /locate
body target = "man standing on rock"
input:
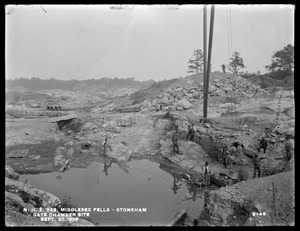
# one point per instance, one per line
(194, 132)
(263, 144)
(289, 147)
(206, 172)
(104, 143)
(223, 67)
(256, 163)
(225, 154)
(190, 133)
(175, 142)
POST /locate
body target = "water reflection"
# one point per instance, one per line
(106, 165)
(176, 184)
(104, 185)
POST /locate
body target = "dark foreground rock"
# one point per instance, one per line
(252, 202)
(21, 198)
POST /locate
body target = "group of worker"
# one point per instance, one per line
(192, 131)
(191, 135)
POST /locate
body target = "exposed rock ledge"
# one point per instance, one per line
(19, 194)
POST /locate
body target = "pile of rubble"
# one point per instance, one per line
(184, 92)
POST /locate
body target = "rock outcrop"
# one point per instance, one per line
(21, 197)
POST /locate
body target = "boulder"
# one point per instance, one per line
(221, 93)
(86, 144)
(69, 144)
(179, 89)
(86, 126)
(127, 121)
(164, 99)
(10, 173)
(184, 104)
(120, 152)
(111, 126)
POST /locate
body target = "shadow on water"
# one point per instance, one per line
(113, 186)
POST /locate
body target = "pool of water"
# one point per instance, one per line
(136, 184)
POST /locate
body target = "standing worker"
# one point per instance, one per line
(263, 144)
(225, 154)
(223, 67)
(206, 172)
(289, 147)
(175, 143)
(190, 133)
(195, 132)
(104, 143)
(256, 163)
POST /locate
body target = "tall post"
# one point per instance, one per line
(204, 59)
(212, 14)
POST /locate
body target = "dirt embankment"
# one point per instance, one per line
(253, 203)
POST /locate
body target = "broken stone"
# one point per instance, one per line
(35, 157)
(221, 93)
(188, 195)
(125, 143)
(86, 145)
(184, 104)
(10, 173)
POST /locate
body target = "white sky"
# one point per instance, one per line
(144, 42)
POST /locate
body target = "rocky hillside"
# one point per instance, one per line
(186, 92)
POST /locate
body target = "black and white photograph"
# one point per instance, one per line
(149, 115)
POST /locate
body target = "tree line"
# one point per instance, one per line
(36, 83)
(282, 62)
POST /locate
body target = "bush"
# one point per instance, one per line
(243, 174)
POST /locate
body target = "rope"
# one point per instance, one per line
(230, 53)
(257, 37)
(105, 49)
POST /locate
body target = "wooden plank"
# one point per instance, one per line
(67, 117)
(249, 152)
(179, 217)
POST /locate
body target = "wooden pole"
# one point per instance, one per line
(204, 60)
(212, 14)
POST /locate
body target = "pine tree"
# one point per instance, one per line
(196, 62)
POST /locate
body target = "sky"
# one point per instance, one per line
(144, 42)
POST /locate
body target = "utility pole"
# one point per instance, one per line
(206, 82)
(204, 59)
